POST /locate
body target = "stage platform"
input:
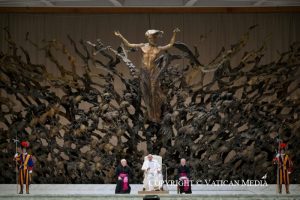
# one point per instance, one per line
(106, 192)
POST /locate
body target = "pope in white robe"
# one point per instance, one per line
(153, 179)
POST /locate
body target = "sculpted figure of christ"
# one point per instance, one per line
(149, 72)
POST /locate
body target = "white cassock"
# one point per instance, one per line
(153, 179)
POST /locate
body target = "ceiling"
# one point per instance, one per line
(148, 3)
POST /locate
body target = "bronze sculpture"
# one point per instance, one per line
(149, 72)
(211, 130)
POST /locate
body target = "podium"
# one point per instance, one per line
(153, 193)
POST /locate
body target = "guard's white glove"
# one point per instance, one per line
(30, 171)
(16, 155)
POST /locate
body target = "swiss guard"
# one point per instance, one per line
(25, 166)
(284, 168)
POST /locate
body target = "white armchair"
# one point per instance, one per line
(155, 157)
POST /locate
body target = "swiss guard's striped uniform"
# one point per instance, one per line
(25, 168)
(284, 168)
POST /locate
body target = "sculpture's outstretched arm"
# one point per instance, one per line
(172, 40)
(118, 34)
